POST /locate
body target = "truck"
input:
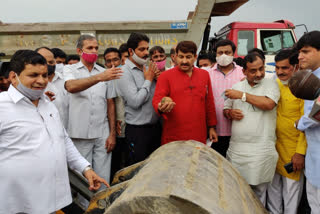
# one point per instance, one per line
(269, 37)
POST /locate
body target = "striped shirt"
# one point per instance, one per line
(220, 82)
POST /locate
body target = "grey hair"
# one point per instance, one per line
(84, 37)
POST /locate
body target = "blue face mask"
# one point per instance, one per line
(28, 92)
(119, 66)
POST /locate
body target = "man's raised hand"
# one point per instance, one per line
(151, 72)
(110, 74)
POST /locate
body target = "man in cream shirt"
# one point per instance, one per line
(34, 146)
(251, 106)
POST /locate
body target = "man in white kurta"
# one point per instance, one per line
(61, 100)
(251, 106)
(34, 146)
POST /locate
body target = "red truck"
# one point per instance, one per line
(269, 37)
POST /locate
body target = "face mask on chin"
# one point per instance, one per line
(224, 60)
(138, 60)
(257, 81)
(284, 82)
(28, 92)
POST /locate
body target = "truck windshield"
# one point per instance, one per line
(275, 40)
(245, 42)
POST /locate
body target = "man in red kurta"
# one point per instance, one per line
(184, 98)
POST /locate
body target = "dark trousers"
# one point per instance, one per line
(222, 145)
(119, 156)
(142, 140)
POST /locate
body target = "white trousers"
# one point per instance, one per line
(94, 151)
(313, 195)
(261, 192)
(284, 194)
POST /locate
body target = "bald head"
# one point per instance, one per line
(48, 55)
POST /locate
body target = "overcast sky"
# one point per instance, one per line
(297, 11)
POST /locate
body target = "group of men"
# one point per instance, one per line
(130, 109)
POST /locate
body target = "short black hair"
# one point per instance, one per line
(57, 52)
(5, 69)
(156, 48)
(186, 47)
(21, 58)
(287, 53)
(257, 50)
(72, 57)
(109, 50)
(211, 56)
(283, 54)
(225, 42)
(251, 58)
(311, 39)
(135, 38)
(172, 50)
(123, 48)
(294, 60)
(239, 61)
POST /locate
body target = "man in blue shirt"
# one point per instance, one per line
(309, 58)
(136, 87)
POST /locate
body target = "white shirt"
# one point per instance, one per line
(61, 97)
(34, 152)
(88, 108)
(252, 145)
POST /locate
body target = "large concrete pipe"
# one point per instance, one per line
(305, 85)
(180, 177)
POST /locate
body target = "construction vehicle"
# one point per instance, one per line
(269, 37)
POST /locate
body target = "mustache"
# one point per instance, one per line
(282, 75)
(145, 56)
(185, 64)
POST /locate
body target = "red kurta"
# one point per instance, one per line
(194, 109)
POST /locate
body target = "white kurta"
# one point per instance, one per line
(61, 97)
(34, 152)
(252, 146)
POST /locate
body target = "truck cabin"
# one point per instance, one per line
(269, 37)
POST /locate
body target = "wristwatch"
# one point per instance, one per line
(244, 98)
(86, 169)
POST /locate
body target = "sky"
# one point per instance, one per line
(26, 11)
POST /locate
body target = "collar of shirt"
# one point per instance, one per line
(216, 68)
(81, 65)
(317, 72)
(57, 76)
(16, 96)
(131, 65)
(256, 85)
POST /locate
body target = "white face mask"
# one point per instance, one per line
(224, 60)
(257, 81)
(59, 67)
(284, 82)
(139, 60)
(206, 68)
